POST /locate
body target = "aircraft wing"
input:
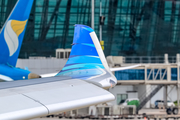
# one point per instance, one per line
(79, 84)
(40, 97)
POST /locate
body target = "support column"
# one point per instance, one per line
(177, 88)
(177, 58)
(178, 73)
(46, 26)
(100, 25)
(178, 80)
(169, 73)
(148, 104)
(92, 14)
(165, 96)
(166, 59)
(66, 24)
(145, 73)
(177, 62)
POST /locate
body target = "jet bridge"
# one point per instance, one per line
(153, 70)
(152, 74)
(159, 71)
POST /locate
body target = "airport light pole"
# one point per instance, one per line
(101, 22)
(100, 26)
(92, 14)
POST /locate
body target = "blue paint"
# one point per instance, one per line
(20, 13)
(13, 72)
(82, 49)
(84, 60)
(85, 66)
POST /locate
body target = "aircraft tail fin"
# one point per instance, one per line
(12, 33)
(86, 59)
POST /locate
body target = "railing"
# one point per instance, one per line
(148, 59)
(147, 95)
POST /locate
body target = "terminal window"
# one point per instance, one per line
(121, 98)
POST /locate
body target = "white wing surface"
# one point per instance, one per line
(48, 75)
(30, 99)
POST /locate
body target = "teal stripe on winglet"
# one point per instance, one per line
(81, 72)
(85, 66)
(92, 45)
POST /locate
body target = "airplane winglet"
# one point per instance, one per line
(84, 59)
(87, 60)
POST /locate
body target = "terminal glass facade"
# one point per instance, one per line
(131, 27)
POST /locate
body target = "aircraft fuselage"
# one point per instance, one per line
(10, 73)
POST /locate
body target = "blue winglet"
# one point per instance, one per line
(84, 60)
(12, 33)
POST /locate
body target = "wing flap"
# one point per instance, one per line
(18, 106)
(43, 99)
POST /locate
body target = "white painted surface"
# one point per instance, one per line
(11, 38)
(41, 99)
(48, 75)
(92, 110)
(99, 50)
(3, 77)
(101, 53)
(172, 95)
(142, 89)
(132, 95)
(120, 89)
(42, 66)
(124, 68)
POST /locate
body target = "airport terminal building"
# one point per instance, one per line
(131, 27)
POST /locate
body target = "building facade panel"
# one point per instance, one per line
(131, 27)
